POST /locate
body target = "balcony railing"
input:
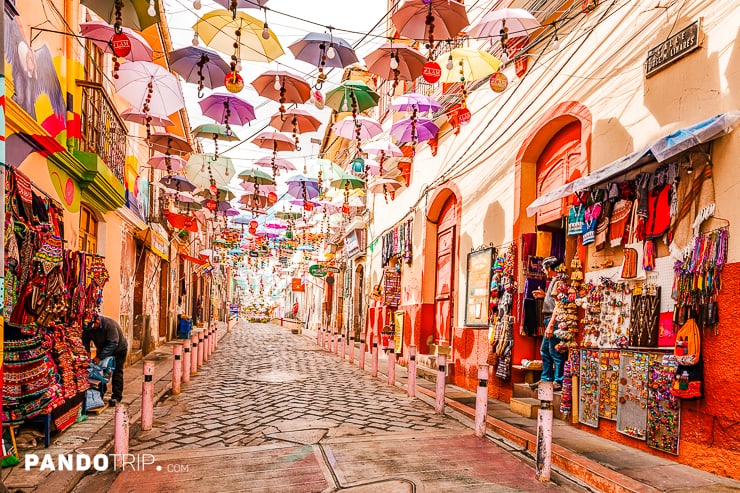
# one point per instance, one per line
(102, 129)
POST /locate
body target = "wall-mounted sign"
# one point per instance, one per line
(674, 48)
(317, 270)
(478, 289)
(297, 285)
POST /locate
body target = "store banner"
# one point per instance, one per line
(297, 285)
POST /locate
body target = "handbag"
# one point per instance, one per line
(576, 219)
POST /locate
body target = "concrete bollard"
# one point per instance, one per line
(186, 360)
(120, 434)
(374, 367)
(392, 363)
(318, 336)
(214, 339)
(194, 353)
(362, 353)
(481, 402)
(147, 396)
(412, 371)
(543, 458)
(337, 341)
(439, 403)
(206, 344)
(176, 368)
(352, 349)
(201, 347)
(343, 347)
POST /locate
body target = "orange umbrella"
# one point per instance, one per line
(296, 120)
(448, 18)
(283, 87)
(396, 62)
(166, 142)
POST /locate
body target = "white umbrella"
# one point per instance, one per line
(133, 82)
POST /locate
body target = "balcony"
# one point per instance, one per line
(102, 129)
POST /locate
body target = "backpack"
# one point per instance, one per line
(688, 344)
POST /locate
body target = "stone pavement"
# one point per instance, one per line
(272, 412)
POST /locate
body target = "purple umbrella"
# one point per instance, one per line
(323, 50)
(231, 212)
(415, 101)
(176, 182)
(200, 66)
(225, 108)
(303, 187)
(421, 130)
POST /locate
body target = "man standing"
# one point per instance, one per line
(552, 360)
(109, 340)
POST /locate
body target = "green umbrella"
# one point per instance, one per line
(341, 98)
(223, 194)
(202, 167)
(257, 177)
(348, 182)
(213, 130)
(328, 169)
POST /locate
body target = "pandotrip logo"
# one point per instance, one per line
(99, 462)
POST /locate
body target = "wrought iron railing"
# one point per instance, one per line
(102, 129)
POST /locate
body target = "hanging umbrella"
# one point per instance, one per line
(258, 177)
(133, 85)
(384, 185)
(205, 171)
(159, 161)
(249, 187)
(348, 182)
(177, 182)
(221, 194)
(271, 161)
(200, 66)
(382, 148)
(282, 86)
(341, 98)
(517, 22)
(415, 101)
(304, 187)
(448, 18)
(295, 119)
(227, 109)
(135, 116)
(101, 34)
(213, 130)
(396, 62)
(136, 14)
(274, 140)
(358, 128)
(423, 129)
(243, 4)
(167, 142)
(218, 29)
(475, 65)
(231, 212)
(316, 49)
(324, 168)
(288, 215)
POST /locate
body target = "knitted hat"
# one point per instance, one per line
(551, 263)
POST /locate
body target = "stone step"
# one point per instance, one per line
(524, 406)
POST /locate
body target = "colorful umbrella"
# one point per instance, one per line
(258, 177)
(358, 128)
(279, 163)
(274, 140)
(135, 116)
(249, 187)
(430, 19)
(396, 62)
(227, 109)
(213, 131)
(303, 187)
(408, 131)
(101, 34)
(384, 185)
(323, 50)
(365, 166)
(221, 194)
(282, 86)
(219, 30)
(348, 182)
(137, 14)
(200, 66)
(139, 81)
(382, 148)
(296, 120)
(177, 182)
(414, 101)
(205, 171)
(352, 95)
(467, 64)
(515, 22)
(165, 142)
(324, 169)
(160, 161)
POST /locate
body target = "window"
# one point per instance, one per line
(94, 63)
(88, 231)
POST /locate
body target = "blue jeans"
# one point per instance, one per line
(552, 360)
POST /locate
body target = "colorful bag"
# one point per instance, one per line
(687, 384)
(688, 344)
(576, 219)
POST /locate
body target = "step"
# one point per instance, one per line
(524, 406)
(523, 390)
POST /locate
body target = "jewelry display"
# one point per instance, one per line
(588, 386)
(664, 409)
(633, 394)
(608, 383)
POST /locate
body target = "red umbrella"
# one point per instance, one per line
(103, 35)
(396, 62)
(283, 87)
(430, 19)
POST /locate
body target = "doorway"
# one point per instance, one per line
(444, 291)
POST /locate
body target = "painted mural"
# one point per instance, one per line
(151, 299)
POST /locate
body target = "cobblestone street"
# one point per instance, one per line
(270, 411)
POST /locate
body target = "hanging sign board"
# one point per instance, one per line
(297, 285)
(478, 287)
(317, 270)
(673, 49)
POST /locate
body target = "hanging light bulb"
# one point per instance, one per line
(331, 52)
(449, 65)
(504, 58)
(239, 66)
(151, 10)
(393, 63)
(195, 39)
(556, 43)
(265, 32)
(277, 83)
(197, 5)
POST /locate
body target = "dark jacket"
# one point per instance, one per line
(108, 337)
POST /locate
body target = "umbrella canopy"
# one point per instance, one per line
(159, 161)
(204, 171)
(449, 18)
(133, 82)
(409, 62)
(296, 120)
(348, 182)
(200, 66)
(303, 187)
(282, 86)
(243, 4)
(250, 188)
(518, 22)
(274, 140)
(382, 147)
(134, 13)
(220, 106)
(326, 168)
(214, 130)
(384, 185)
(177, 182)
(341, 97)
(136, 116)
(101, 34)
(166, 142)
(313, 46)
(257, 177)
(422, 129)
(279, 163)
(218, 29)
(221, 194)
(415, 101)
(475, 65)
(348, 128)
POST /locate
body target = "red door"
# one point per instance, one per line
(558, 164)
(445, 274)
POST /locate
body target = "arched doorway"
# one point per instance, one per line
(444, 285)
(358, 295)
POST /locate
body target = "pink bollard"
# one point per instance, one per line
(352, 349)
(176, 368)
(194, 353)
(392, 363)
(214, 338)
(412, 371)
(481, 402)
(374, 367)
(206, 344)
(120, 435)
(147, 396)
(186, 360)
(439, 402)
(362, 353)
(318, 336)
(337, 338)
(543, 458)
(201, 347)
(343, 349)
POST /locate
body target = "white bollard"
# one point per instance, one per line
(544, 432)
(352, 348)
(481, 402)
(439, 404)
(120, 434)
(412, 371)
(147, 396)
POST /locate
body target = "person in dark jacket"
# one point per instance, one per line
(109, 340)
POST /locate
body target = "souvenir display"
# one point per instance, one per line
(570, 374)
(608, 383)
(588, 388)
(664, 409)
(645, 320)
(503, 320)
(392, 288)
(398, 242)
(633, 394)
(567, 310)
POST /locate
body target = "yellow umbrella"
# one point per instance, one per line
(475, 65)
(219, 30)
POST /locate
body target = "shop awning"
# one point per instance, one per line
(195, 260)
(662, 149)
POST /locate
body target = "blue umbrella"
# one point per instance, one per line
(179, 183)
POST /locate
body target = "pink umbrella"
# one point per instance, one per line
(358, 128)
(407, 130)
(279, 163)
(447, 19)
(414, 101)
(382, 148)
(159, 161)
(101, 34)
(249, 187)
(139, 81)
(136, 116)
(275, 141)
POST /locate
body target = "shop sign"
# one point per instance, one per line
(498, 82)
(332, 269)
(672, 49)
(317, 270)
(297, 285)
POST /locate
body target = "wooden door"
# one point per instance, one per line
(445, 274)
(558, 164)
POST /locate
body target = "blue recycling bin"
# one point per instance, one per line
(184, 327)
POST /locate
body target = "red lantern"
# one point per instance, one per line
(272, 197)
(252, 231)
(211, 205)
(463, 116)
(431, 72)
(233, 82)
(498, 82)
(345, 208)
(307, 206)
(253, 224)
(121, 45)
